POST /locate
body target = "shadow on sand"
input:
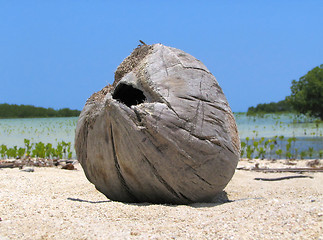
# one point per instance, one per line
(219, 199)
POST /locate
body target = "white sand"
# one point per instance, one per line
(52, 203)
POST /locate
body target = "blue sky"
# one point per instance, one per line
(57, 53)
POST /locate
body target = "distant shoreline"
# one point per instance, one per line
(35, 117)
(13, 111)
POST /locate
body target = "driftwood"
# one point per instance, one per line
(163, 132)
(283, 169)
(20, 163)
(9, 165)
(282, 178)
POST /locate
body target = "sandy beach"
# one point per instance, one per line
(51, 203)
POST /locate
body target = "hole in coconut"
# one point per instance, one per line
(128, 95)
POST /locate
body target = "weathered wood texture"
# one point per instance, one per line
(162, 133)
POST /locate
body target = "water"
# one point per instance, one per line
(46, 130)
(307, 131)
(54, 130)
(270, 125)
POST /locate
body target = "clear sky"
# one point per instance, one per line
(57, 53)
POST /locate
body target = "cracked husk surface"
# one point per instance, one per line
(183, 136)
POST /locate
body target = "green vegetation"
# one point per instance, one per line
(306, 97)
(279, 107)
(307, 93)
(29, 111)
(276, 147)
(298, 136)
(37, 150)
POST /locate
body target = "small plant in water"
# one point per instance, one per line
(243, 145)
(321, 154)
(39, 150)
(303, 154)
(250, 151)
(310, 152)
(28, 147)
(21, 152)
(12, 152)
(261, 152)
(279, 152)
(3, 150)
(48, 150)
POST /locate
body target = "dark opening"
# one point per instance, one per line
(128, 95)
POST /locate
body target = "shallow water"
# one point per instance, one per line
(307, 131)
(270, 125)
(54, 130)
(47, 130)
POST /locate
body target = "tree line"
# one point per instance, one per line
(29, 111)
(306, 97)
(273, 107)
